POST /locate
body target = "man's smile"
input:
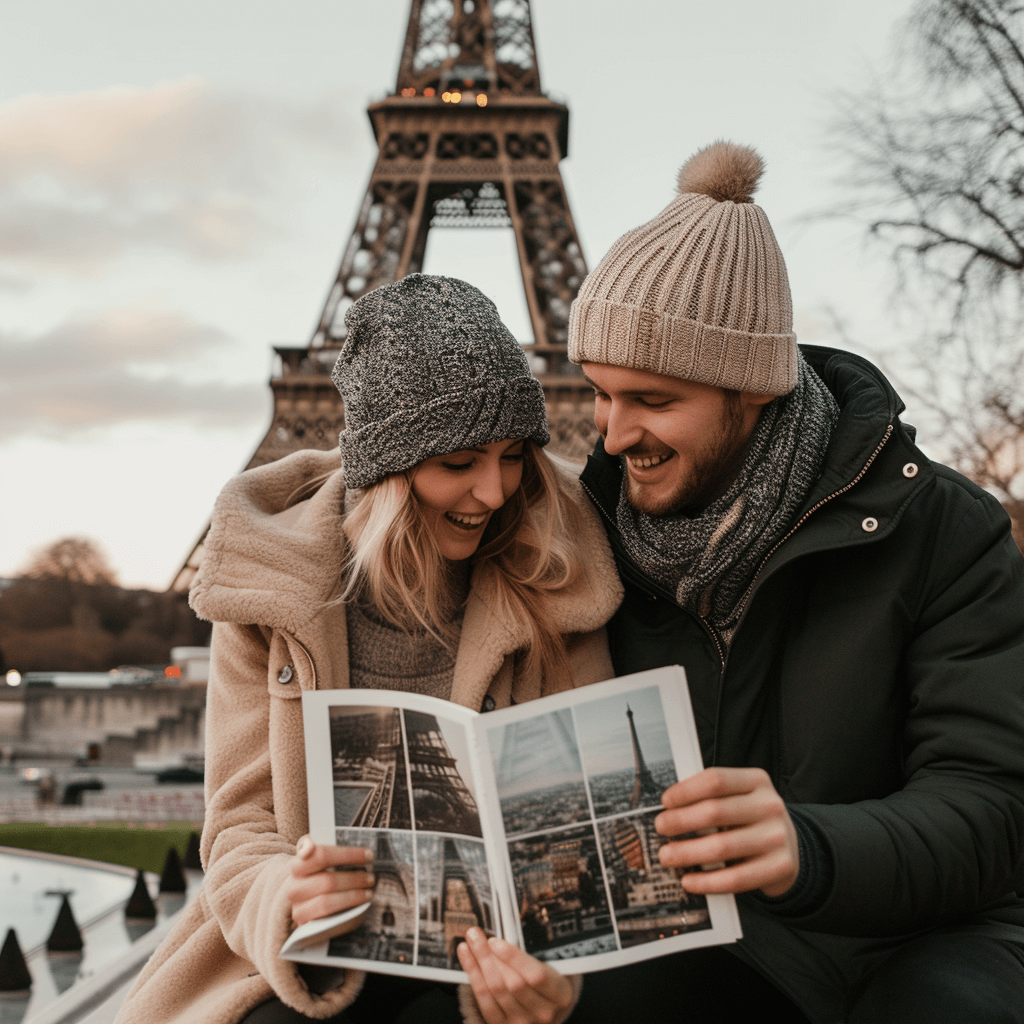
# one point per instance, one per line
(648, 461)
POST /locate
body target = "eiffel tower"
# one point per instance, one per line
(644, 787)
(441, 800)
(467, 139)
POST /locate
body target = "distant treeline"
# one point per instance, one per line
(65, 625)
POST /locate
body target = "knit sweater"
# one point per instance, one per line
(381, 656)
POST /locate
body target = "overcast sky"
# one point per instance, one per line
(178, 180)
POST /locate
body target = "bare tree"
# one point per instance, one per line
(74, 559)
(935, 152)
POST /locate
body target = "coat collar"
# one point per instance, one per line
(273, 566)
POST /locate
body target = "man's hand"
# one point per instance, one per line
(755, 836)
(512, 987)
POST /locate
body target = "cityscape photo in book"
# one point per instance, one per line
(535, 822)
(560, 869)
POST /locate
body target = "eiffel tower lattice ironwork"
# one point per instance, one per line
(467, 139)
(441, 800)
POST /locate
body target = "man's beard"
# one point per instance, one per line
(713, 469)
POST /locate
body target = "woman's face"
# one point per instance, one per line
(459, 492)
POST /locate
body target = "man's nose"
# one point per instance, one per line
(620, 430)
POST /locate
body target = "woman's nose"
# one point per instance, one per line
(487, 487)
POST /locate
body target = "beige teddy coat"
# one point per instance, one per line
(266, 581)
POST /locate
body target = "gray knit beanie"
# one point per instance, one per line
(428, 368)
(699, 292)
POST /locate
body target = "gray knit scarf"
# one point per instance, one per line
(708, 561)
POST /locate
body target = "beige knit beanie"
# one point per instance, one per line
(699, 292)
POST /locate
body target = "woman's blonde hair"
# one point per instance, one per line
(524, 557)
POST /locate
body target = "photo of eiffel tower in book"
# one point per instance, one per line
(626, 751)
(454, 896)
(398, 770)
(387, 931)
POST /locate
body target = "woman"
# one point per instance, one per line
(443, 553)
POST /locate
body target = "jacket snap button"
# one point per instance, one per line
(488, 704)
(286, 675)
(869, 525)
(910, 469)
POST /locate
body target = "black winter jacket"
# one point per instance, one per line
(877, 675)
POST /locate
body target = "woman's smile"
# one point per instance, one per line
(467, 520)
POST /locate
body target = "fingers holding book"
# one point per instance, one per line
(512, 987)
(734, 819)
(327, 880)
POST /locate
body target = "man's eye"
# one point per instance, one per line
(653, 403)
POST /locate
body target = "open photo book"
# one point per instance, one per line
(535, 823)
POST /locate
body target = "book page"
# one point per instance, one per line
(579, 776)
(392, 771)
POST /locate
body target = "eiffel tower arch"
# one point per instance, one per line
(467, 139)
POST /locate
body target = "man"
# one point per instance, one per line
(850, 616)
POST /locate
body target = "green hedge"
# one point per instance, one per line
(138, 846)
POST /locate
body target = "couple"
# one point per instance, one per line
(849, 614)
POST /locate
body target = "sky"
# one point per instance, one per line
(604, 730)
(178, 182)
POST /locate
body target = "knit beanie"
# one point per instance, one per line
(428, 368)
(699, 292)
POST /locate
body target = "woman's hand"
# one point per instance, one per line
(316, 891)
(512, 987)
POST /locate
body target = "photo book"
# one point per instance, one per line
(534, 823)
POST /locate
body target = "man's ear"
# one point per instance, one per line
(751, 404)
(750, 399)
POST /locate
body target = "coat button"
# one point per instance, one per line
(488, 704)
(286, 675)
(910, 470)
(869, 525)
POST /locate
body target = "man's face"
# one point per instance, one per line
(683, 442)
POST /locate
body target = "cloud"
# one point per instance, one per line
(184, 166)
(122, 366)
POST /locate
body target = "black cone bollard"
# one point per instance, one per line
(172, 879)
(141, 904)
(14, 976)
(192, 861)
(65, 937)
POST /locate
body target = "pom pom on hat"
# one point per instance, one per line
(723, 171)
(700, 292)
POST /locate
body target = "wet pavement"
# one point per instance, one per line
(97, 897)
